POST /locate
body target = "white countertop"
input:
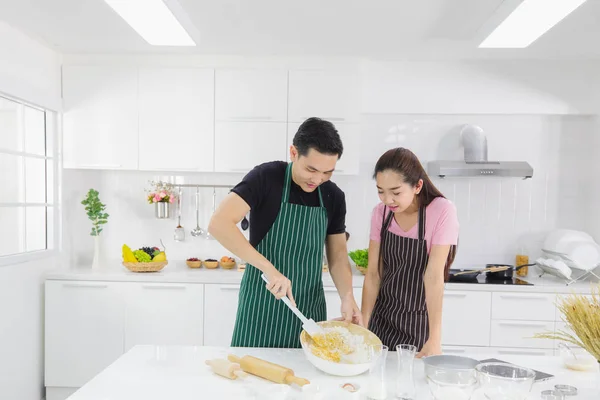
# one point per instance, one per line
(179, 372)
(178, 272)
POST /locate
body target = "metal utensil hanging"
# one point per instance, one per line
(214, 207)
(179, 235)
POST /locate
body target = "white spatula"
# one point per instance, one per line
(309, 325)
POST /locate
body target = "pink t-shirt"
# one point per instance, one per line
(441, 224)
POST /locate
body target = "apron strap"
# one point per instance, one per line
(285, 195)
(386, 221)
(421, 223)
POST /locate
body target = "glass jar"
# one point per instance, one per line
(522, 259)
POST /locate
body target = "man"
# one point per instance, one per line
(294, 211)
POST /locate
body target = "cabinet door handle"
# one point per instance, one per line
(524, 324)
(457, 295)
(100, 165)
(332, 119)
(251, 118)
(230, 287)
(166, 287)
(86, 285)
(329, 289)
(453, 351)
(523, 297)
(519, 353)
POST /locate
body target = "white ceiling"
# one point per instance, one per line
(391, 29)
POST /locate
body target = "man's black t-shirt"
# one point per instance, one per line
(262, 189)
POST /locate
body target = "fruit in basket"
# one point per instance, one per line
(142, 256)
(128, 255)
(226, 259)
(193, 259)
(160, 256)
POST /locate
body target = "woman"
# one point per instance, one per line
(414, 233)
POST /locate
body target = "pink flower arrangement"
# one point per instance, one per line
(161, 193)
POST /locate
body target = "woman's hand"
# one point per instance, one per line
(430, 348)
(280, 286)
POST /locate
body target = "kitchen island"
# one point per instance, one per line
(94, 317)
(179, 372)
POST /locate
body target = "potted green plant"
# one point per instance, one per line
(361, 259)
(94, 209)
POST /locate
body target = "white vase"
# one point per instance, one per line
(96, 259)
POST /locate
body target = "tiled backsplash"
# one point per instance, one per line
(497, 216)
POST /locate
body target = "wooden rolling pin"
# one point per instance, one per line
(226, 368)
(267, 370)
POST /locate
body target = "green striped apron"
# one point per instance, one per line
(294, 245)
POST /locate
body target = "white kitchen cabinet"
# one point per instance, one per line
(514, 333)
(240, 146)
(331, 95)
(176, 117)
(83, 330)
(466, 318)
(524, 306)
(334, 303)
(100, 122)
(350, 134)
(251, 95)
(221, 302)
(163, 314)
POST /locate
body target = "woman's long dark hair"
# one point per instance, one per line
(405, 163)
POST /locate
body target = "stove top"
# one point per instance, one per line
(482, 280)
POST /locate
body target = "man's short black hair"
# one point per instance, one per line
(316, 133)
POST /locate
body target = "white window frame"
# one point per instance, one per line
(52, 124)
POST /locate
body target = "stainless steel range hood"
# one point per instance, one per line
(476, 161)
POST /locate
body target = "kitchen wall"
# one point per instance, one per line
(31, 72)
(496, 215)
(535, 111)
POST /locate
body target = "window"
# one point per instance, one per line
(27, 170)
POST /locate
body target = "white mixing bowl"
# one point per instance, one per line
(341, 368)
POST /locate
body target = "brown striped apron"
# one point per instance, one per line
(400, 312)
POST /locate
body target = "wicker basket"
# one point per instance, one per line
(211, 264)
(362, 270)
(228, 264)
(194, 264)
(145, 267)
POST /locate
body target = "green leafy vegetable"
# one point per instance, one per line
(360, 257)
(95, 211)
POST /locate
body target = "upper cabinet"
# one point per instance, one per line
(240, 146)
(331, 95)
(251, 95)
(176, 116)
(100, 123)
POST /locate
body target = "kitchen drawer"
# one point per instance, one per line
(511, 333)
(466, 318)
(523, 306)
(221, 303)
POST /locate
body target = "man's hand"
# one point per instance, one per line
(280, 286)
(350, 311)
